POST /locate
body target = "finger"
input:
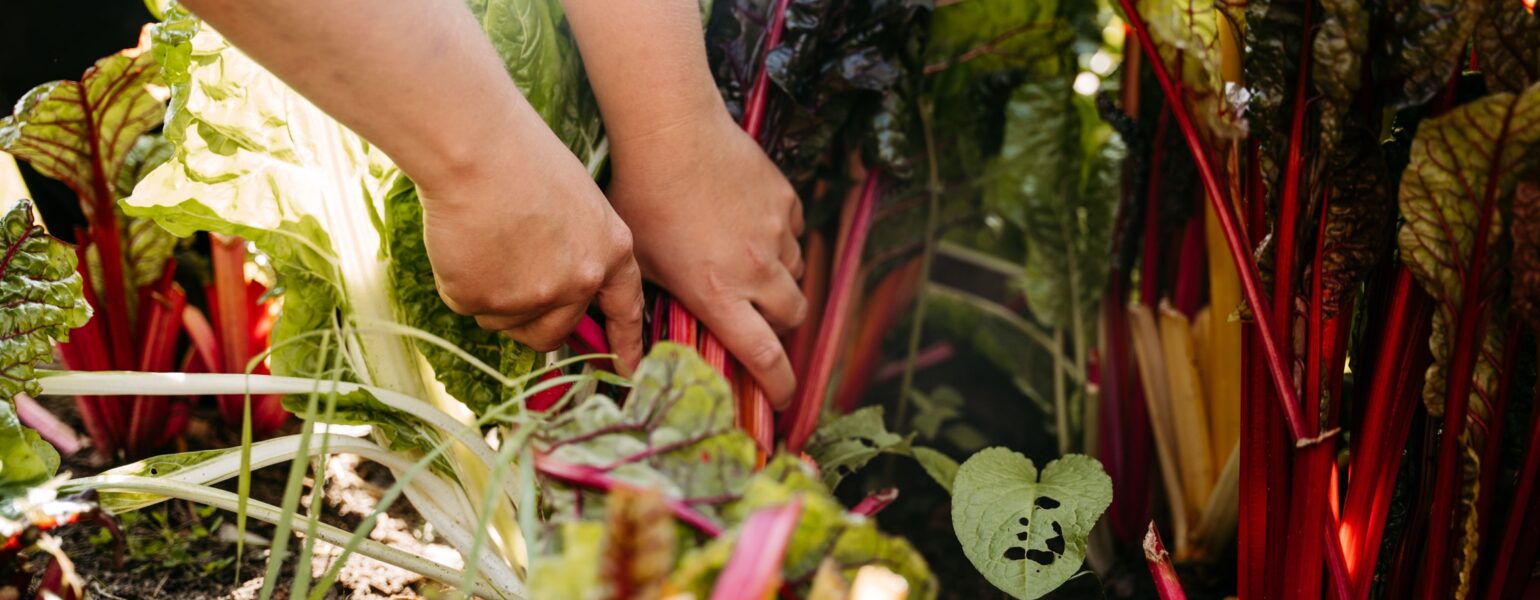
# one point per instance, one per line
(791, 256)
(749, 338)
(621, 301)
(502, 322)
(781, 302)
(548, 331)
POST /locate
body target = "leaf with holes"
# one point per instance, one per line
(1026, 531)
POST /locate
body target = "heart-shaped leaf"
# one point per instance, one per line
(1024, 531)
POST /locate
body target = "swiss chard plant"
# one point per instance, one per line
(97, 136)
(1363, 169)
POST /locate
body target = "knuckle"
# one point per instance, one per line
(539, 294)
(588, 279)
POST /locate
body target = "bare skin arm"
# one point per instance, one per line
(715, 222)
(419, 79)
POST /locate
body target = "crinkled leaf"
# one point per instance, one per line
(1275, 31)
(536, 45)
(1025, 531)
(1360, 215)
(412, 280)
(1424, 46)
(840, 69)
(1337, 56)
(254, 159)
(1509, 46)
(1526, 252)
(40, 299)
(939, 466)
(638, 549)
(844, 445)
(675, 432)
(1058, 180)
(81, 132)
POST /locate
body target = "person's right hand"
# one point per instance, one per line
(522, 239)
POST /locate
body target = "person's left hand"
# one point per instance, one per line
(716, 224)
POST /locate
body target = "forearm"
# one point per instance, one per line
(646, 60)
(417, 78)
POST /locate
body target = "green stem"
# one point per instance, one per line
(933, 212)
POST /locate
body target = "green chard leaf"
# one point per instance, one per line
(254, 159)
(1509, 46)
(412, 279)
(939, 466)
(57, 125)
(1025, 531)
(147, 246)
(40, 291)
(1057, 178)
(25, 459)
(675, 432)
(536, 45)
(1021, 35)
(844, 445)
(1465, 166)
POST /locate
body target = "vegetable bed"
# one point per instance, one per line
(1114, 299)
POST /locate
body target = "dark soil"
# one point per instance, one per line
(156, 577)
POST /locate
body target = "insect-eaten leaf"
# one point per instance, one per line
(1026, 531)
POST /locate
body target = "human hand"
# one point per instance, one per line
(716, 224)
(522, 239)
